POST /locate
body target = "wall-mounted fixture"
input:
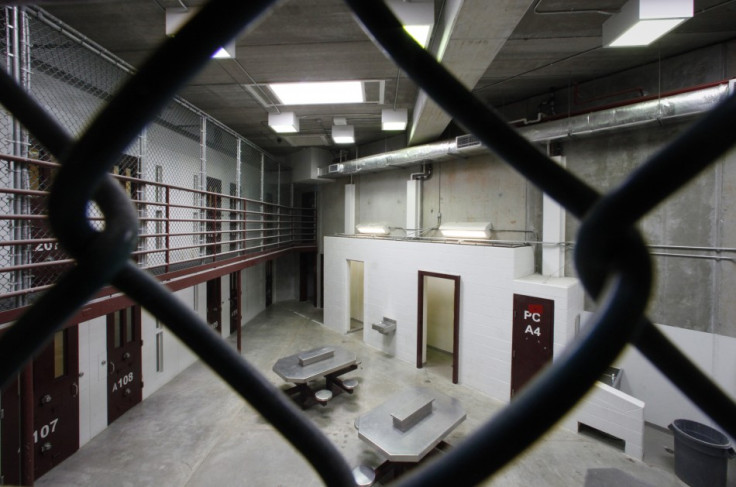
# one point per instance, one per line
(372, 228)
(387, 326)
(177, 17)
(394, 119)
(466, 230)
(417, 18)
(641, 22)
(284, 122)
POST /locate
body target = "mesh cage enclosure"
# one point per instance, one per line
(148, 219)
(197, 186)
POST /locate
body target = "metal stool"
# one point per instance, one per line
(350, 384)
(322, 396)
(364, 475)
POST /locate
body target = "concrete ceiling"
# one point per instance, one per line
(505, 50)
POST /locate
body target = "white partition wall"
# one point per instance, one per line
(487, 283)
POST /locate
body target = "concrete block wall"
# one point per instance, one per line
(714, 354)
(177, 356)
(488, 278)
(613, 412)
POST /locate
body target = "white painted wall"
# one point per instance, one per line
(177, 356)
(714, 354)
(391, 285)
(614, 412)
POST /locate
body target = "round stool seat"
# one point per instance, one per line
(323, 395)
(364, 475)
(350, 384)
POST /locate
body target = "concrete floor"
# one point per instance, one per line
(195, 431)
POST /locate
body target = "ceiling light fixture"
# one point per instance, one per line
(284, 122)
(177, 17)
(394, 119)
(372, 228)
(343, 134)
(641, 22)
(320, 92)
(416, 17)
(466, 230)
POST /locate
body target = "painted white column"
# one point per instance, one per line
(553, 234)
(349, 209)
(413, 207)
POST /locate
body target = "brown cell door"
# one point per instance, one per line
(234, 301)
(10, 460)
(124, 371)
(269, 283)
(307, 277)
(56, 401)
(214, 304)
(533, 335)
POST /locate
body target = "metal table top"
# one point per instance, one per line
(328, 359)
(424, 430)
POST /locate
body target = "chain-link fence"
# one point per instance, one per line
(610, 254)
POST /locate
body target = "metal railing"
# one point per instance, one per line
(610, 254)
(176, 231)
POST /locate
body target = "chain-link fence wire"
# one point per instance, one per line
(611, 257)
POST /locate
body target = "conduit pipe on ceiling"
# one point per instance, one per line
(673, 107)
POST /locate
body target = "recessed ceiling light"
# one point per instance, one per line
(343, 134)
(283, 123)
(318, 93)
(393, 119)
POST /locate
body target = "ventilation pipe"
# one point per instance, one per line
(678, 106)
(424, 175)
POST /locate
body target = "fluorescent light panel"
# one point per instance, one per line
(283, 123)
(641, 22)
(394, 119)
(372, 228)
(343, 134)
(318, 93)
(466, 230)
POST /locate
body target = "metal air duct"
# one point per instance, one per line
(672, 107)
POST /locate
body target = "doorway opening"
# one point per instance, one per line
(356, 283)
(438, 323)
